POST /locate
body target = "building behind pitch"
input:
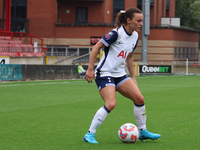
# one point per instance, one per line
(80, 23)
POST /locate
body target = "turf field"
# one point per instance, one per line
(55, 115)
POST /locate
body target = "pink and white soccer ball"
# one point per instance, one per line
(128, 133)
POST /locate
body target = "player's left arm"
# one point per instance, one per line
(130, 66)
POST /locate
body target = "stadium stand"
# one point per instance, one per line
(13, 48)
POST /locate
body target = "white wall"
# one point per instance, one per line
(27, 60)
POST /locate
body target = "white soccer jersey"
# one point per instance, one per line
(119, 44)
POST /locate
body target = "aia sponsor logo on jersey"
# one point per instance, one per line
(108, 35)
(123, 54)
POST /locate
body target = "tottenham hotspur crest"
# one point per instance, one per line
(133, 47)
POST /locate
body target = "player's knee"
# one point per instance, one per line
(111, 105)
(140, 100)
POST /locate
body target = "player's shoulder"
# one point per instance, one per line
(114, 32)
(135, 33)
(109, 38)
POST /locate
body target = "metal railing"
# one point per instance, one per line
(64, 50)
(27, 35)
(61, 53)
(84, 59)
(85, 23)
(22, 49)
(75, 54)
(172, 26)
(22, 34)
(190, 63)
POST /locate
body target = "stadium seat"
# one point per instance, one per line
(25, 48)
(14, 48)
(8, 54)
(1, 37)
(41, 54)
(7, 38)
(27, 55)
(15, 42)
(4, 42)
(30, 48)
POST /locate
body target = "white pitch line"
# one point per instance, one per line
(170, 85)
(33, 84)
(141, 77)
(41, 83)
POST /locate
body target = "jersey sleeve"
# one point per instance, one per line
(109, 38)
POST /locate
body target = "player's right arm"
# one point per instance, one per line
(104, 42)
(90, 71)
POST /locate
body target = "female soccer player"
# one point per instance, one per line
(110, 76)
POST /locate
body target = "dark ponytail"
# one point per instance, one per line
(122, 16)
(120, 19)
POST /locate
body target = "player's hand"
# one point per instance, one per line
(90, 75)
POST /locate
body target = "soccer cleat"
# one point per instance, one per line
(144, 134)
(90, 138)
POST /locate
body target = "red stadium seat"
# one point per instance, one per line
(7, 38)
(4, 41)
(15, 42)
(8, 54)
(13, 48)
(40, 54)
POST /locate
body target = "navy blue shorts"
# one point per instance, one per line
(110, 81)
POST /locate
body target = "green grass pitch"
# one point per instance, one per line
(55, 115)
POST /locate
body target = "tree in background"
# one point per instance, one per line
(189, 12)
(195, 10)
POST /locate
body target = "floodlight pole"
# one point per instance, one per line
(145, 28)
